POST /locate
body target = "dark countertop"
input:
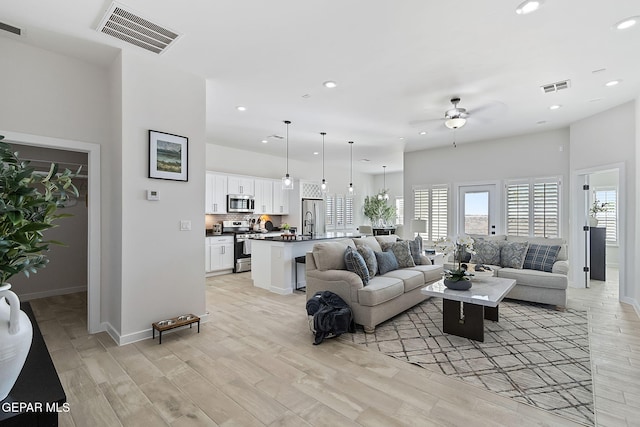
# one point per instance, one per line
(301, 238)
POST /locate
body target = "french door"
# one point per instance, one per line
(478, 211)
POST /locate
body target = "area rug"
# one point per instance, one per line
(534, 354)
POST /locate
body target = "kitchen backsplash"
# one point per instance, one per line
(216, 219)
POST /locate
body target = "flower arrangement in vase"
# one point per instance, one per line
(457, 278)
(596, 208)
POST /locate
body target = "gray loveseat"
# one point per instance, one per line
(535, 285)
(385, 295)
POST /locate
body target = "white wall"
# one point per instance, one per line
(525, 156)
(162, 267)
(604, 139)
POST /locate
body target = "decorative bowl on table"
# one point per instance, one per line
(480, 271)
(457, 285)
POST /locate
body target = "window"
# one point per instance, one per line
(399, 210)
(338, 212)
(533, 207)
(432, 205)
(609, 218)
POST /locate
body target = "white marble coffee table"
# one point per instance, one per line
(463, 312)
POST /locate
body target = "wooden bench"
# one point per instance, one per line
(175, 322)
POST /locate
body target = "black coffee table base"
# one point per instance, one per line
(465, 319)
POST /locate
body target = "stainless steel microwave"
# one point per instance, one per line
(240, 203)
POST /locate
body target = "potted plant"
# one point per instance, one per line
(458, 278)
(28, 204)
(286, 228)
(596, 208)
(378, 210)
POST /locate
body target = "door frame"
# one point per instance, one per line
(93, 213)
(497, 205)
(579, 218)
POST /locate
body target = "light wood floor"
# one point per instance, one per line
(253, 364)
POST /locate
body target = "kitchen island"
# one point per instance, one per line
(273, 265)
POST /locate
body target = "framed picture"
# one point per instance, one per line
(168, 156)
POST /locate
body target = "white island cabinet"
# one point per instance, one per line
(273, 261)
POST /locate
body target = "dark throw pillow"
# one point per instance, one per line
(541, 257)
(487, 252)
(512, 254)
(369, 259)
(355, 263)
(401, 251)
(386, 262)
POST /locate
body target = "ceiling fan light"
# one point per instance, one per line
(455, 123)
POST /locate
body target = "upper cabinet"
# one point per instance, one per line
(216, 194)
(240, 185)
(263, 196)
(280, 199)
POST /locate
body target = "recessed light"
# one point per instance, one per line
(555, 107)
(330, 84)
(627, 23)
(401, 138)
(528, 6)
(241, 108)
(423, 133)
(612, 83)
(315, 153)
(264, 141)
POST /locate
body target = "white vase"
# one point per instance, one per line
(593, 222)
(16, 333)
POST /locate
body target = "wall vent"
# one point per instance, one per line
(124, 24)
(554, 87)
(10, 29)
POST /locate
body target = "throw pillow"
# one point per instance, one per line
(415, 247)
(369, 259)
(386, 262)
(355, 263)
(541, 257)
(487, 252)
(512, 254)
(401, 251)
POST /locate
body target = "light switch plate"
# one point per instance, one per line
(185, 225)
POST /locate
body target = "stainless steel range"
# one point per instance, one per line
(241, 250)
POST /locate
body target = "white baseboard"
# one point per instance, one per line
(633, 303)
(52, 293)
(141, 335)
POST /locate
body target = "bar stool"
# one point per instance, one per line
(299, 260)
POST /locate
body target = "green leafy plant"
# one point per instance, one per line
(28, 204)
(376, 208)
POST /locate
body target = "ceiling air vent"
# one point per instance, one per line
(10, 29)
(123, 24)
(554, 87)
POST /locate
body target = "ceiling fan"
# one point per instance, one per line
(456, 117)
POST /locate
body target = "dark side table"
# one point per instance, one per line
(37, 396)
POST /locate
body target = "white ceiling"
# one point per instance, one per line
(397, 65)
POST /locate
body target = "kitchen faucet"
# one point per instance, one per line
(308, 223)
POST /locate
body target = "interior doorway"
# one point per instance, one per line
(92, 152)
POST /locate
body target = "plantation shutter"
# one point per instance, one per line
(518, 209)
(546, 209)
(421, 207)
(608, 219)
(349, 212)
(340, 211)
(439, 212)
(330, 219)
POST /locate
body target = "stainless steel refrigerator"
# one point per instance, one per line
(313, 217)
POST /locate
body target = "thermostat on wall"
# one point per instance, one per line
(153, 195)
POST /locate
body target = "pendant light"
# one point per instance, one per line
(352, 191)
(323, 185)
(287, 181)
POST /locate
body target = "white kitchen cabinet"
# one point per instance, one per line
(216, 194)
(218, 253)
(263, 196)
(280, 199)
(240, 185)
